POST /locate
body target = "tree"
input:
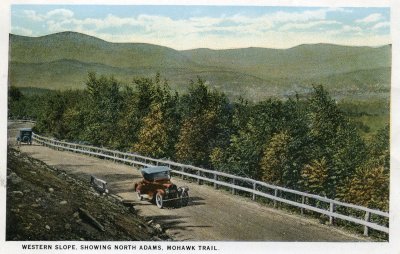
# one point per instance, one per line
(16, 102)
(379, 148)
(242, 155)
(333, 138)
(105, 104)
(153, 137)
(205, 125)
(275, 162)
(315, 177)
(369, 185)
(159, 130)
(193, 143)
(14, 94)
(50, 120)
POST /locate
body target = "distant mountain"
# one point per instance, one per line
(62, 60)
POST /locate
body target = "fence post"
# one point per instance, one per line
(183, 171)
(216, 179)
(133, 159)
(276, 195)
(332, 210)
(254, 188)
(367, 218)
(233, 188)
(302, 202)
(199, 174)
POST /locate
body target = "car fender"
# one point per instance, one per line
(161, 191)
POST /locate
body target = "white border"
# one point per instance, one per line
(230, 247)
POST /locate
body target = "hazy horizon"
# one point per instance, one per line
(320, 43)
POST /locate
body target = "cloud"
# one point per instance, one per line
(21, 31)
(32, 15)
(372, 18)
(345, 30)
(279, 29)
(56, 14)
(303, 26)
(59, 14)
(283, 17)
(381, 25)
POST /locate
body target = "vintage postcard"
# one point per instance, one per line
(199, 127)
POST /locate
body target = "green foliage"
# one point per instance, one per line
(153, 137)
(14, 94)
(309, 145)
(105, 104)
(379, 148)
(205, 126)
(276, 159)
(315, 177)
(368, 187)
(159, 128)
(333, 137)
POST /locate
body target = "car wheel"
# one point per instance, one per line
(159, 200)
(139, 197)
(185, 198)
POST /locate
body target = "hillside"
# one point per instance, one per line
(45, 203)
(62, 60)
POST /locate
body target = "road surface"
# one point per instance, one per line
(213, 215)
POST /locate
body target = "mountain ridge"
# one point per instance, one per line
(48, 62)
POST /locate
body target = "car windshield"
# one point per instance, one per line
(157, 176)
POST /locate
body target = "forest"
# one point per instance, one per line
(307, 144)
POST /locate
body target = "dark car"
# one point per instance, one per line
(25, 136)
(156, 186)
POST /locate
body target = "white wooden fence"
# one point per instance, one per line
(305, 201)
(21, 120)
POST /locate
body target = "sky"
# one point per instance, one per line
(215, 27)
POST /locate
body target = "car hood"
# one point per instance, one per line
(165, 183)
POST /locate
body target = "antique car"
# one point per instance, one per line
(156, 186)
(25, 136)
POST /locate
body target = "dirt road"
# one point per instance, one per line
(212, 214)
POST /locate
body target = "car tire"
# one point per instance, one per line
(159, 200)
(139, 197)
(185, 198)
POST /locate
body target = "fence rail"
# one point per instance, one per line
(305, 201)
(22, 120)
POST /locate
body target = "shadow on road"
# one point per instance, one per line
(119, 177)
(194, 201)
(16, 145)
(174, 222)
